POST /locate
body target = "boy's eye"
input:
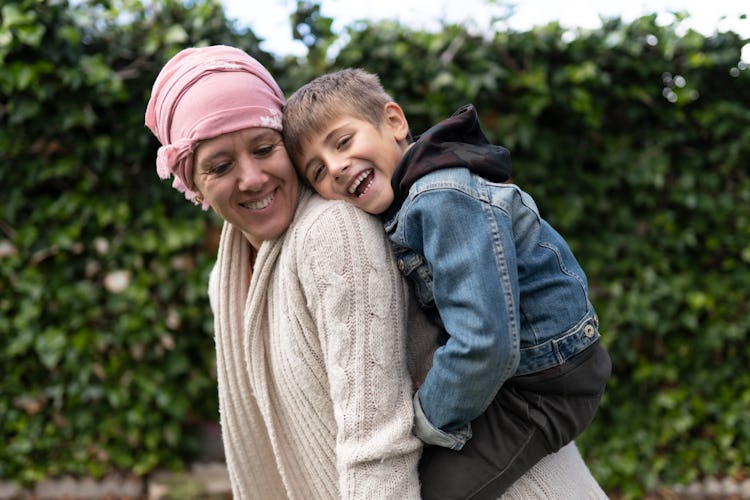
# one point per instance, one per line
(317, 172)
(343, 142)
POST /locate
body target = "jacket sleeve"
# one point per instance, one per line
(471, 252)
(358, 301)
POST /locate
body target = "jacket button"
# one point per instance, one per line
(588, 331)
(401, 266)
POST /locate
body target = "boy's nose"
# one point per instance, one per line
(339, 171)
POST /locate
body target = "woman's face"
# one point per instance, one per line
(248, 179)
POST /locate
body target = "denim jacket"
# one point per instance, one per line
(506, 286)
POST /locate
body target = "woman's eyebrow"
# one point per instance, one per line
(206, 162)
(265, 136)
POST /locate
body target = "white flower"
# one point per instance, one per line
(7, 249)
(101, 245)
(272, 121)
(117, 281)
(221, 65)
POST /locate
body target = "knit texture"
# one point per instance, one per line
(314, 393)
(559, 476)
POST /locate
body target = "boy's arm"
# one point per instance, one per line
(468, 246)
(358, 300)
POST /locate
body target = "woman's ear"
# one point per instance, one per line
(198, 200)
(396, 120)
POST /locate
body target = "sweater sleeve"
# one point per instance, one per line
(359, 302)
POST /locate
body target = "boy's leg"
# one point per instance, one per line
(505, 443)
(531, 417)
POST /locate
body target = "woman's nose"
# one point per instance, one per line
(250, 176)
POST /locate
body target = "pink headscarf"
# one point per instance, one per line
(202, 93)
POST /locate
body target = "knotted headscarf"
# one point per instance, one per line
(202, 93)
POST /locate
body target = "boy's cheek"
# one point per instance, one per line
(328, 193)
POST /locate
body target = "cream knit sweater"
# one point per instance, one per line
(560, 476)
(314, 393)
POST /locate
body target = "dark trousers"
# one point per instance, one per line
(530, 417)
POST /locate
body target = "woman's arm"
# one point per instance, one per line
(358, 300)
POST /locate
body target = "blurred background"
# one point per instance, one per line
(631, 128)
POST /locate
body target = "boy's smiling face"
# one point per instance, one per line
(352, 159)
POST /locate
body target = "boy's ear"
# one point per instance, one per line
(396, 119)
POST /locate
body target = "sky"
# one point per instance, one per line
(271, 22)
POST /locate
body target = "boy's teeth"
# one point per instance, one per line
(258, 205)
(358, 181)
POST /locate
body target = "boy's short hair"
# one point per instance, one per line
(328, 97)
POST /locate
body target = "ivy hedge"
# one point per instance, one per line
(105, 327)
(633, 138)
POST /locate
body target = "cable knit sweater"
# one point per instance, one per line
(314, 393)
(559, 476)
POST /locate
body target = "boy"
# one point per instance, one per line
(522, 368)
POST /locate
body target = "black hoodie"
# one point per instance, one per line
(455, 142)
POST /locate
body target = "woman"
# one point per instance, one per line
(310, 310)
(313, 387)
